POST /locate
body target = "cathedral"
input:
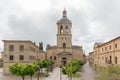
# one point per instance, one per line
(64, 51)
(26, 52)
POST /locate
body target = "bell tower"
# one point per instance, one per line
(64, 36)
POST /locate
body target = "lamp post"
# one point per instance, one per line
(60, 73)
(38, 74)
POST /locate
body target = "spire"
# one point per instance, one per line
(64, 13)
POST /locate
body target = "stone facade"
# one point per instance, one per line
(1, 62)
(64, 51)
(107, 53)
(26, 52)
(19, 51)
(91, 58)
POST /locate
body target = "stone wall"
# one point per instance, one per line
(1, 63)
(107, 53)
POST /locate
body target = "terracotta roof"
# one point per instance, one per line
(20, 41)
(101, 44)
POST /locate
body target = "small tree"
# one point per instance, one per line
(46, 64)
(72, 68)
(37, 68)
(18, 69)
(31, 69)
(69, 70)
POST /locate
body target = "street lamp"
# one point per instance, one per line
(60, 72)
(38, 74)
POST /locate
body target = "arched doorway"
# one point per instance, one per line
(63, 61)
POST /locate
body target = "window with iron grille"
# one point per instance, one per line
(11, 48)
(11, 57)
(21, 48)
(21, 57)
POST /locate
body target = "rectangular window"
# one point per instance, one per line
(11, 57)
(115, 60)
(50, 57)
(11, 48)
(105, 48)
(98, 50)
(105, 59)
(21, 48)
(32, 58)
(115, 45)
(64, 45)
(102, 49)
(110, 47)
(21, 57)
(54, 57)
(32, 49)
(110, 59)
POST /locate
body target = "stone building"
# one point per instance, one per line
(91, 58)
(25, 51)
(1, 62)
(64, 51)
(21, 51)
(107, 53)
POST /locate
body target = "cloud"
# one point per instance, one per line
(35, 27)
(92, 20)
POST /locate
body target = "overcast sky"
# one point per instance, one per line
(92, 20)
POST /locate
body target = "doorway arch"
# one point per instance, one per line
(63, 61)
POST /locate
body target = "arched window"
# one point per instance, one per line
(64, 45)
(50, 57)
(64, 58)
(54, 57)
(61, 29)
(67, 29)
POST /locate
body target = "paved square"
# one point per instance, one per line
(87, 74)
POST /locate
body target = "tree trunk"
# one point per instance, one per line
(31, 77)
(23, 77)
(47, 70)
(41, 70)
(71, 78)
(38, 74)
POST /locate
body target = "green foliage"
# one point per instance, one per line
(30, 69)
(69, 70)
(64, 69)
(81, 62)
(109, 73)
(72, 68)
(46, 63)
(37, 65)
(18, 69)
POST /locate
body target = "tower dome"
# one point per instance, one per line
(64, 18)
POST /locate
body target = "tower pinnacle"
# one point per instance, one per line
(64, 13)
